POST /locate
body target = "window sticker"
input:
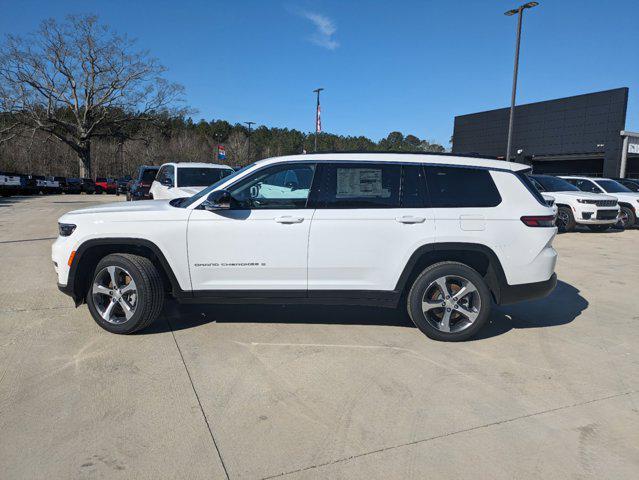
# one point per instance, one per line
(360, 182)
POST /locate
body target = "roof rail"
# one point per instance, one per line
(403, 152)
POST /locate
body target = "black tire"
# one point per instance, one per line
(599, 228)
(565, 220)
(98, 190)
(422, 286)
(628, 216)
(149, 288)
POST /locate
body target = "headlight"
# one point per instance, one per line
(66, 229)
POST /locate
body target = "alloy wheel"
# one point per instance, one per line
(562, 219)
(115, 294)
(451, 303)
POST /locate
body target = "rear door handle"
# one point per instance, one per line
(410, 219)
(288, 219)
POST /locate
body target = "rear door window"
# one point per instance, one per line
(456, 187)
(360, 185)
(414, 194)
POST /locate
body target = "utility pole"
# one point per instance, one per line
(520, 12)
(249, 139)
(318, 119)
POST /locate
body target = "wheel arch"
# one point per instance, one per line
(91, 252)
(477, 256)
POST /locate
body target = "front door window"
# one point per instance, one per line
(278, 187)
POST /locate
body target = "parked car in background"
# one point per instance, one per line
(178, 180)
(597, 211)
(35, 184)
(628, 200)
(122, 184)
(631, 183)
(9, 184)
(444, 237)
(74, 185)
(52, 185)
(105, 185)
(62, 184)
(139, 187)
(88, 186)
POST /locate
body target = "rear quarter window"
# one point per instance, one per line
(457, 187)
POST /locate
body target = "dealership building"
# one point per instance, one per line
(580, 135)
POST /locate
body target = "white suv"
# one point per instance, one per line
(179, 180)
(446, 235)
(628, 200)
(574, 207)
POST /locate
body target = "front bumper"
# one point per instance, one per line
(590, 215)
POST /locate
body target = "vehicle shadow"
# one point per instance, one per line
(562, 306)
(9, 201)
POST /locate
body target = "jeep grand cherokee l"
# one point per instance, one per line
(596, 211)
(444, 235)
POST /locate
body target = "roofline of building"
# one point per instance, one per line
(542, 101)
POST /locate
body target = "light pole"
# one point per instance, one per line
(520, 12)
(318, 121)
(249, 139)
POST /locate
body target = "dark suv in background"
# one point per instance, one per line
(139, 188)
(123, 184)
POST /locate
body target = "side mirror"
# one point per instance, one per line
(218, 200)
(167, 182)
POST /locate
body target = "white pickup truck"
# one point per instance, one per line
(9, 184)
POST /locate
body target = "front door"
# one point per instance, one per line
(261, 243)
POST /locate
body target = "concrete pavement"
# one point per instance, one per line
(548, 390)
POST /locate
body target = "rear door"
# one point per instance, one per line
(369, 219)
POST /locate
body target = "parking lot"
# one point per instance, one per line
(549, 390)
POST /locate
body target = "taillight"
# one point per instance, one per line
(539, 220)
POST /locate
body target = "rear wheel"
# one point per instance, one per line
(598, 228)
(126, 293)
(449, 301)
(565, 220)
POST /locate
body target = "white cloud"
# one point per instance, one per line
(323, 36)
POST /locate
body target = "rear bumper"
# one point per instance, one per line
(526, 291)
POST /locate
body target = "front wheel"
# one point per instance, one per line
(449, 301)
(627, 217)
(126, 293)
(565, 220)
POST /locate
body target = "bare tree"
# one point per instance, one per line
(237, 145)
(77, 81)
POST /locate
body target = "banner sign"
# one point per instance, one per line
(633, 145)
(221, 152)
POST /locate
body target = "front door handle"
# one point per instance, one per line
(410, 219)
(287, 219)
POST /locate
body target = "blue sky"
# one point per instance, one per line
(404, 65)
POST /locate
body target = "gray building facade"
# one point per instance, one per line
(572, 135)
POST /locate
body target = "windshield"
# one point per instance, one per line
(200, 177)
(610, 186)
(189, 201)
(554, 184)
